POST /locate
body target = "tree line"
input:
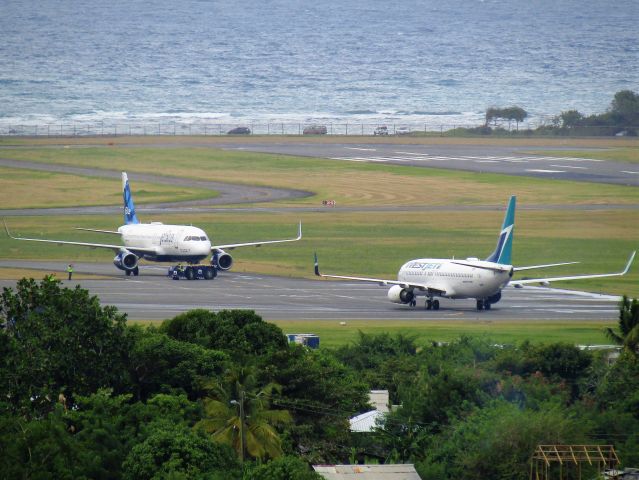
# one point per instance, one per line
(223, 395)
(621, 118)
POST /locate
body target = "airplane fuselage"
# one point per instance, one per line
(170, 243)
(471, 280)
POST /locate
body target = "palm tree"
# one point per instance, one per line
(628, 335)
(237, 412)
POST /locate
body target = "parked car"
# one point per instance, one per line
(383, 130)
(402, 131)
(315, 130)
(239, 131)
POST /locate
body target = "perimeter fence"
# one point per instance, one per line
(255, 128)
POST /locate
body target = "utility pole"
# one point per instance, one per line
(242, 439)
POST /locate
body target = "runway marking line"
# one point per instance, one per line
(541, 170)
(570, 166)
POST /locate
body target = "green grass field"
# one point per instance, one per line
(332, 334)
(348, 183)
(371, 243)
(22, 188)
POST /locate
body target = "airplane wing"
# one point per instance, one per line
(98, 231)
(114, 248)
(520, 283)
(231, 246)
(531, 267)
(380, 281)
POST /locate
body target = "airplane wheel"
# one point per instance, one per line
(429, 304)
(208, 273)
(435, 304)
(127, 273)
(487, 306)
(189, 274)
(480, 304)
(136, 271)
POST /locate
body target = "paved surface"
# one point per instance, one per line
(152, 295)
(477, 158)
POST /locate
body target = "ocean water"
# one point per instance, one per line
(428, 62)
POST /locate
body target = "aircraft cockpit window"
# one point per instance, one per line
(191, 239)
(204, 239)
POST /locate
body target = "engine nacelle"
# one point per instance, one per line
(221, 260)
(126, 261)
(494, 298)
(398, 294)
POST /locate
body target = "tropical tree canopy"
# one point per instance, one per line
(240, 408)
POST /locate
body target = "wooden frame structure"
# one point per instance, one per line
(566, 461)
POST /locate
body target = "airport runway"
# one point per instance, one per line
(154, 296)
(475, 158)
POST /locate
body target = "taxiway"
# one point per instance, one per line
(154, 296)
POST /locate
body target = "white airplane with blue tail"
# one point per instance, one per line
(157, 242)
(482, 280)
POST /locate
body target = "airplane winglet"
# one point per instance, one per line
(630, 260)
(317, 272)
(7, 229)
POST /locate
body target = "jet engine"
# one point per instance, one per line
(494, 298)
(221, 260)
(126, 260)
(398, 294)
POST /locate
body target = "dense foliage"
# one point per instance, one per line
(86, 396)
(621, 118)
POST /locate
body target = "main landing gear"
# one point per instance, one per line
(483, 305)
(432, 304)
(193, 272)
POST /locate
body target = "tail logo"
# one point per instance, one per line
(129, 208)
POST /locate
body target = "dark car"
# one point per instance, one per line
(383, 130)
(315, 130)
(239, 131)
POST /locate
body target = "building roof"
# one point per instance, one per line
(366, 422)
(402, 471)
(379, 400)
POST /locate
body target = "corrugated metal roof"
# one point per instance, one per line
(402, 471)
(365, 422)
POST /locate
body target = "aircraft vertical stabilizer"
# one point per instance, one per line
(129, 208)
(503, 251)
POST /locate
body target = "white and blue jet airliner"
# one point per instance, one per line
(157, 242)
(482, 280)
